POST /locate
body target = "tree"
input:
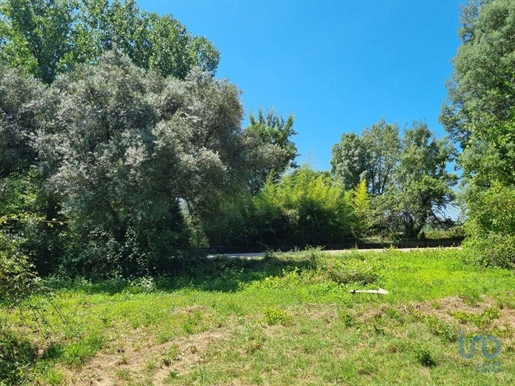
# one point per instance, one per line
(349, 161)
(481, 90)
(20, 100)
(372, 157)
(406, 179)
(480, 116)
(124, 149)
(362, 211)
(48, 37)
(422, 186)
(383, 145)
(273, 130)
(34, 35)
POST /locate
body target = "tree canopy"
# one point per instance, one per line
(121, 150)
(49, 37)
(371, 157)
(273, 129)
(406, 178)
(480, 116)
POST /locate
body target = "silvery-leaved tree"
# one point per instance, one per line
(125, 148)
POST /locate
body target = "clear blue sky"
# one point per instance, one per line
(337, 66)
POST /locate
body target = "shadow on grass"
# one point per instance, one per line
(221, 274)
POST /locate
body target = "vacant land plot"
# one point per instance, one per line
(282, 320)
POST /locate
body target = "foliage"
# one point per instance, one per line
(491, 225)
(274, 130)
(17, 356)
(372, 157)
(303, 208)
(47, 37)
(120, 154)
(481, 88)
(406, 178)
(479, 115)
(362, 211)
(17, 279)
(422, 186)
(20, 100)
(18, 282)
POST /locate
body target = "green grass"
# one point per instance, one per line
(282, 320)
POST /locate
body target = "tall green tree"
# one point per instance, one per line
(480, 115)
(273, 130)
(406, 178)
(372, 157)
(422, 187)
(48, 37)
(21, 99)
(349, 161)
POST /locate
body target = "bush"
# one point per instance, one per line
(17, 280)
(491, 226)
(16, 355)
(492, 250)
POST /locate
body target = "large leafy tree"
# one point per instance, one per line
(125, 148)
(48, 37)
(481, 89)
(422, 186)
(406, 178)
(349, 160)
(480, 116)
(371, 157)
(20, 101)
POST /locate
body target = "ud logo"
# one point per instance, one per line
(490, 349)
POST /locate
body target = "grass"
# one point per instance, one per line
(285, 319)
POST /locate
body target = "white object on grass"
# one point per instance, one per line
(379, 291)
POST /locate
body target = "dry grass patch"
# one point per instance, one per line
(140, 360)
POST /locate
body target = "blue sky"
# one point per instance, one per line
(337, 66)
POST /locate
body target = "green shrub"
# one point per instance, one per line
(491, 250)
(491, 227)
(275, 316)
(17, 280)
(424, 357)
(16, 357)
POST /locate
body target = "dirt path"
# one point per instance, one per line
(257, 255)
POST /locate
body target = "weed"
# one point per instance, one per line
(275, 316)
(347, 318)
(481, 320)
(440, 328)
(172, 375)
(192, 322)
(424, 357)
(124, 375)
(54, 377)
(254, 340)
(166, 361)
(77, 353)
(150, 364)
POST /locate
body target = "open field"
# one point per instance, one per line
(282, 320)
